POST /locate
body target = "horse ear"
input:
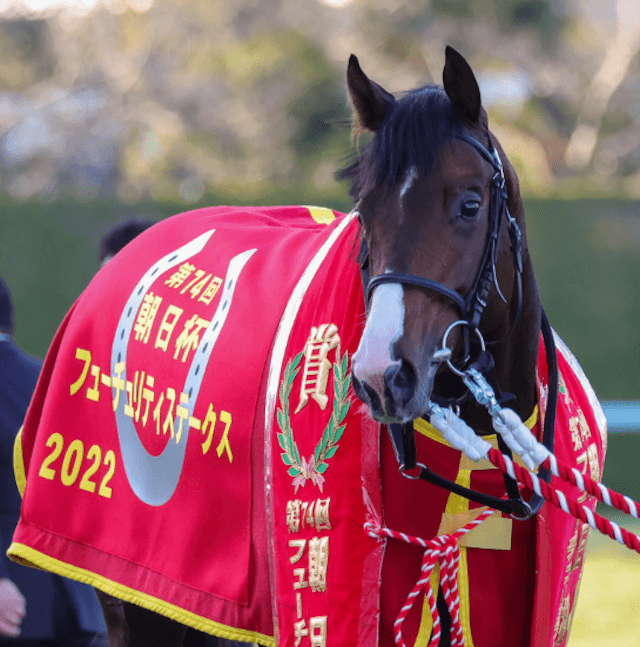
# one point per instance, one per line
(461, 86)
(370, 100)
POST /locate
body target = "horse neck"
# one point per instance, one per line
(516, 356)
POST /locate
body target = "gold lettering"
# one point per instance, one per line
(317, 367)
(318, 631)
(293, 515)
(85, 356)
(167, 325)
(92, 392)
(117, 383)
(209, 423)
(300, 545)
(179, 277)
(223, 445)
(318, 563)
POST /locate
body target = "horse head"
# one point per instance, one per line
(442, 239)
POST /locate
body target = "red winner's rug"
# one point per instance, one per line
(143, 451)
(194, 446)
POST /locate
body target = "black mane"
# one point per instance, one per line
(413, 129)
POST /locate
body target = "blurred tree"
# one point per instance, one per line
(619, 54)
(545, 16)
(182, 102)
(25, 51)
(163, 99)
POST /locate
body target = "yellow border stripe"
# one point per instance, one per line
(31, 557)
(463, 591)
(18, 463)
(460, 504)
(322, 215)
(455, 504)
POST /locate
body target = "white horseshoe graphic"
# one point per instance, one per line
(154, 479)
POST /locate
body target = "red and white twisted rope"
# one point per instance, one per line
(443, 550)
(583, 483)
(534, 453)
(521, 441)
(586, 484)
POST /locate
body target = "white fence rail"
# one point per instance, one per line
(623, 416)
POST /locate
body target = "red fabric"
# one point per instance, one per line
(207, 548)
(500, 580)
(337, 600)
(580, 442)
(204, 549)
(536, 581)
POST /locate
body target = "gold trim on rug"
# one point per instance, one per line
(18, 464)
(31, 557)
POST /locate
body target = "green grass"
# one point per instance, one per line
(608, 610)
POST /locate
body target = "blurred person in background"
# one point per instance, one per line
(110, 244)
(37, 608)
(117, 237)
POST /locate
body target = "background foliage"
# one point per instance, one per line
(164, 99)
(118, 109)
(113, 109)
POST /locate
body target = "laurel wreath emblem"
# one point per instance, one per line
(301, 469)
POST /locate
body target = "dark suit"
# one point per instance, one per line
(59, 611)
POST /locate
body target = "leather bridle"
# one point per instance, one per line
(471, 308)
(473, 305)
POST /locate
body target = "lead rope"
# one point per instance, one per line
(534, 454)
(571, 507)
(445, 551)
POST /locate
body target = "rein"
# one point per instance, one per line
(471, 309)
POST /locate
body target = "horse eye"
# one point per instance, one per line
(469, 209)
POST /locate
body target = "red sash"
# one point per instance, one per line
(581, 442)
(326, 574)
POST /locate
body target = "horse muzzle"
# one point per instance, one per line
(394, 392)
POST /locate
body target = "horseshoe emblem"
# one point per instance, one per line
(154, 479)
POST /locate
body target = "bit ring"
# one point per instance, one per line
(411, 477)
(460, 322)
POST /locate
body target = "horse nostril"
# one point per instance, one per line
(401, 381)
(366, 393)
(374, 398)
(357, 386)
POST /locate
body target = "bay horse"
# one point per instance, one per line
(447, 283)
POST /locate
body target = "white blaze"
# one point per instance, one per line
(409, 180)
(385, 325)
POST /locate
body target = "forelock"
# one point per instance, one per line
(411, 133)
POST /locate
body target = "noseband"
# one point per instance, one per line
(473, 305)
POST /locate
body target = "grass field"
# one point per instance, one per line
(608, 611)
